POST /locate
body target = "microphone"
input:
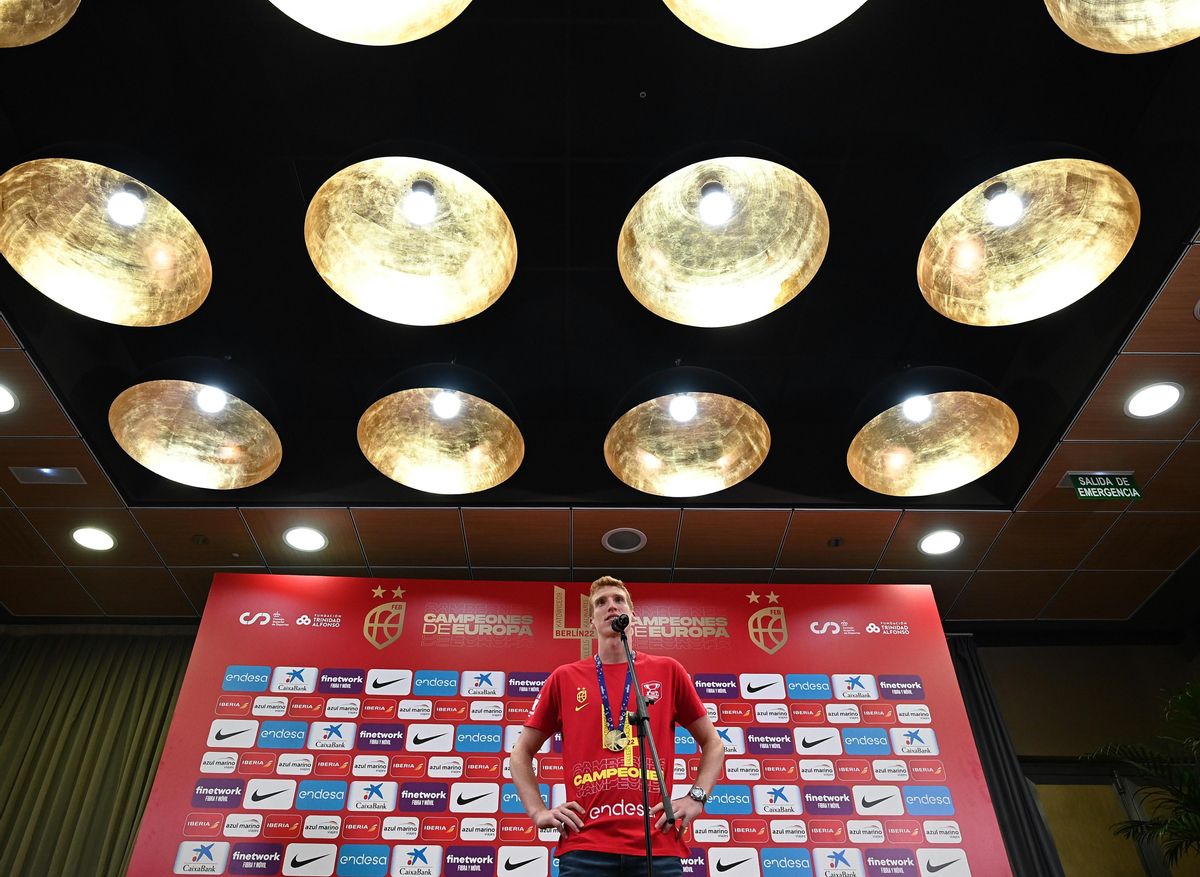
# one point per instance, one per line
(620, 623)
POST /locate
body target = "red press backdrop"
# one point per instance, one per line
(337, 726)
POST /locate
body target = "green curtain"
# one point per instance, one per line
(84, 718)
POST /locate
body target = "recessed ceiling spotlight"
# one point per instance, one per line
(1155, 399)
(624, 540)
(371, 22)
(715, 205)
(1004, 207)
(917, 408)
(8, 400)
(127, 205)
(305, 539)
(93, 538)
(211, 400)
(447, 405)
(682, 408)
(420, 206)
(940, 542)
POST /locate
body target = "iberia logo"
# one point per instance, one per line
(768, 626)
(385, 623)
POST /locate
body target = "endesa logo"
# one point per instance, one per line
(730, 800)
(928, 801)
(282, 735)
(809, 686)
(785, 861)
(479, 738)
(435, 683)
(363, 860)
(321, 795)
(243, 677)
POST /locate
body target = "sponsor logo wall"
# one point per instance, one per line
(366, 729)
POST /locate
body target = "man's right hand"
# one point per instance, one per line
(566, 817)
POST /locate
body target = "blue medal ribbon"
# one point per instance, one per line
(611, 724)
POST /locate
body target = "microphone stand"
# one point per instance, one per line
(641, 719)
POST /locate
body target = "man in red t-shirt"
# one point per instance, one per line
(601, 822)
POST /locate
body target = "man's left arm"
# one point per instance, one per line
(712, 759)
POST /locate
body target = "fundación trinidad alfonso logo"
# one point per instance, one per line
(384, 624)
(767, 626)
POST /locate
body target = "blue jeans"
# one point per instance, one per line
(586, 863)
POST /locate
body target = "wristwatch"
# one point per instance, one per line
(698, 794)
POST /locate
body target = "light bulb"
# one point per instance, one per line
(917, 408)
(446, 405)
(683, 408)
(420, 206)
(94, 538)
(715, 204)
(1004, 207)
(305, 539)
(211, 400)
(940, 542)
(8, 400)
(126, 207)
(1153, 400)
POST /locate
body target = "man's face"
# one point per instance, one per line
(607, 604)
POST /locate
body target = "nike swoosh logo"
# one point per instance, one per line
(221, 735)
(580, 706)
(725, 866)
(510, 865)
(868, 804)
(377, 684)
(464, 801)
(259, 797)
(418, 740)
(809, 744)
(300, 863)
(755, 689)
(933, 869)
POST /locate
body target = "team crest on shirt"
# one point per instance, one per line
(652, 691)
(581, 696)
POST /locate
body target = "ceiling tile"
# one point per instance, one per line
(7, 339)
(135, 591)
(196, 580)
(1141, 458)
(56, 526)
(1103, 595)
(946, 584)
(441, 573)
(269, 525)
(1176, 486)
(44, 590)
(978, 529)
(1147, 540)
(746, 538)
(1047, 540)
(97, 493)
(517, 537)
(411, 537)
(996, 596)
(821, 576)
(661, 527)
(1170, 324)
(717, 576)
(518, 574)
(20, 544)
(38, 412)
(629, 576)
(199, 537)
(345, 572)
(1103, 417)
(861, 535)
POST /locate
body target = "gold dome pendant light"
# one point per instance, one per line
(24, 22)
(373, 22)
(762, 24)
(410, 241)
(723, 241)
(685, 440)
(101, 243)
(929, 430)
(1028, 242)
(195, 434)
(441, 440)
(1127, 27)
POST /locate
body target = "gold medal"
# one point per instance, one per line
(615, 740)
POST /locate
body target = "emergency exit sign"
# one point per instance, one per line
(1095, 485)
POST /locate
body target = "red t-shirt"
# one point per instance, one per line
(608, 784)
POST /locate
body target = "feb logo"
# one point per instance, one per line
(768, 629)
(384, 624)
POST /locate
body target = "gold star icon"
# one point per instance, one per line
(752, 597)
(378, 592)
(772, 597)
(397, 592)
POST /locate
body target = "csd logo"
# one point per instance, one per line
(256, 618)
(827, 627)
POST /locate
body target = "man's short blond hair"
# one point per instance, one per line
(610, 582)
